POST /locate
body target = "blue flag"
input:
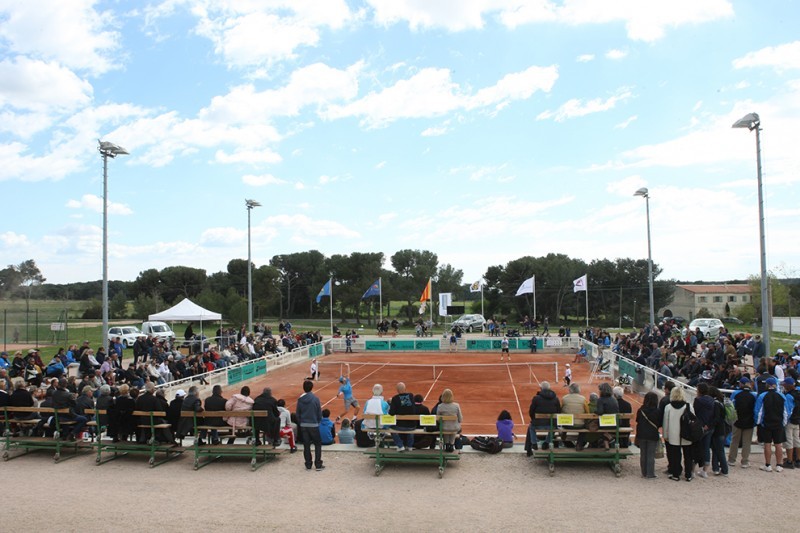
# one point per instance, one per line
(374, 290)
(324, 291)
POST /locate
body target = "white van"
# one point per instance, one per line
(157, 329)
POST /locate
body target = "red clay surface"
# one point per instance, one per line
(482, 392)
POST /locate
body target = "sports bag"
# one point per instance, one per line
(691, 427)
(487, 444)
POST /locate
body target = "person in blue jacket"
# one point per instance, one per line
(772, 414)
(327, 430)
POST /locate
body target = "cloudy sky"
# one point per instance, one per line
(482, 130)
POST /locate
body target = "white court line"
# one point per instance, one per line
(516, 396)
(432, 385)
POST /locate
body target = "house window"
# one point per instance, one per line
(717, 299)
(744, 298)
(731, 298)
(702, 299)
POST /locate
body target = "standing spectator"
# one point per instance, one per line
(772, 414)
(677, 446)
(450, 427)
(309, 415)
(704, 409)
(719, 465)
(402, 403)
(744, 400)
(793, 427)
(759, 351)
(647, 435)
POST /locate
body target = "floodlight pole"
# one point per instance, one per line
(250, 204)
(107, 150)
(751, 121)
(646, 194)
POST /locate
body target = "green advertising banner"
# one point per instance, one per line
(376, 345)
(482, 344)
(315, 350)
(401, 345)
(261, 367)
(428, 344)
(234, 376)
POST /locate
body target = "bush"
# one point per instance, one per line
(703, 312)
(94, 311)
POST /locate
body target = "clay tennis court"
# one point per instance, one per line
(482, 385)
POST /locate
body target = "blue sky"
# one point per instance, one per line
(480, 130)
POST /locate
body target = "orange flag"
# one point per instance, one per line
(426, 294)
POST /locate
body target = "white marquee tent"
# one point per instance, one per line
(186, 310)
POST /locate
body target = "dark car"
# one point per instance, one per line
(679, 320)
(732, 320)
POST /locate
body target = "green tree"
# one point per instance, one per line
(118, 306)
(413, 268)
(182, 281)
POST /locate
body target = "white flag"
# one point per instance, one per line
(445, 299)
(580, 284)
(526, 287)
(476, 286)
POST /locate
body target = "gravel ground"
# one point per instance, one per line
(479, 493)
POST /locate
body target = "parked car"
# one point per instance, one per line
(732, 320)
(157, 329)
(709, 326)
(679, 320)
(128, 334)
(470, 323)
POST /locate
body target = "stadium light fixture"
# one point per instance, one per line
(646, 195)
(107, 150)
(250, 204)
(751, 121)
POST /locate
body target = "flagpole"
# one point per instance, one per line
(534, 298)
(430, 299)
(484, 316)
(330, 281)
(380, 298)
(587, 304)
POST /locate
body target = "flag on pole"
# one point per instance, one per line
(580, 284)
(426, 294)
(324, 291)
(526, 287)
(374, 290)
(445, 299)
(476, 286)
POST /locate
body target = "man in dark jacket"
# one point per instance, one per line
(744, 400)
(215, 402)
(62, 399)
(403, 404)
(148, 402)
(270, 425)
(544, 403)
(174, 411)
(309, 415)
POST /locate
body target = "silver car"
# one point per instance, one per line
(470, 323)
(709, 326)
(127, 334)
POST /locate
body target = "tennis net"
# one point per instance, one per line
(526, 372)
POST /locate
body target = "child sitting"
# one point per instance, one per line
(327, 431)
(346, 435)
(286, 425)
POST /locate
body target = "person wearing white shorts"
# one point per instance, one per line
(792, 444)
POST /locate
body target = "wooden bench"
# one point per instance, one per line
(560, 432)
(16, 432)
(383, 456)
(153, 423)
(258, 454)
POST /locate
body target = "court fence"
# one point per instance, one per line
(465, 343)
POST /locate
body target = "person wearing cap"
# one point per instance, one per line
(346, 391)
(174, 412)
(793, 426)
(772, 414)
(744, 401)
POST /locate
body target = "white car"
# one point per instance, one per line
(709, 326)
(127, 334)
(470, 323)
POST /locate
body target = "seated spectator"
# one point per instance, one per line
(239, 402)
(270, 425)
(347, 434)
(327, 431)
(375, 406)
(21, 397)
(624, 408)
(505, 429)
(105, 402)
(62, 399)
(545, 402)
(215, 402)
(288, 429)
(451, 427)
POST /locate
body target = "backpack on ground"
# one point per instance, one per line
(487, 444)
(691, 427)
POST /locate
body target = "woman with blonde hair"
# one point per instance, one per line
(450, 427)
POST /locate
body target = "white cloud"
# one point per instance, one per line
(10, 239)
(18, 163)
(615, 54)
(264, 155)
(431, 92)
(579, 108)
(262, 180)
(380, 165)
(36, 85)
(644, 21)
(325, 179)
(73, 33)
(585, 58)
(626, 186)
(93, 203)
(782, 57)
(434, 131)
(625, 123)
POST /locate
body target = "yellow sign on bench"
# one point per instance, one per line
(427, 420)
(608, 421)
(388, 420)
(565, 420)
